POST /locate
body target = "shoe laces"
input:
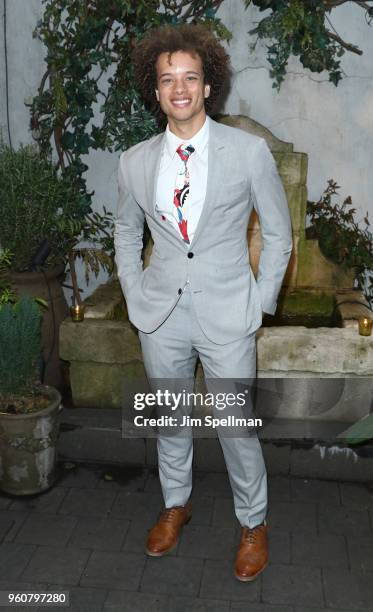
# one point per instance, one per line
(251, 534)
(169, 514)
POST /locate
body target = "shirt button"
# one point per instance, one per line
(190, 255)
(180, 291)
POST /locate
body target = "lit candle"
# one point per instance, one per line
(365, 326)
(77, 312)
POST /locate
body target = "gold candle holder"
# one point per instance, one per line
(365, 326)
(77, 313)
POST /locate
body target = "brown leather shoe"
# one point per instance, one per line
(164, 536)
(252, 555)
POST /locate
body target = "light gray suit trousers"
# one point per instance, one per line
(171, 351)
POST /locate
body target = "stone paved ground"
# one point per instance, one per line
(86, 535)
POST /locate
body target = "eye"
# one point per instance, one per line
(191, 78)
(165, 81)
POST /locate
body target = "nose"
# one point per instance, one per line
(179, 86)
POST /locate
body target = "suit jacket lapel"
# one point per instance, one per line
(214, 171)
(152, 164)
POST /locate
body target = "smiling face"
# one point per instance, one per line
(181, 91)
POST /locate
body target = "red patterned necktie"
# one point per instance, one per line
(181, 191)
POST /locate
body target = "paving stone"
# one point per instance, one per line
(47, 502)
(307, 609)
(212, 484)
(137, 505)
(127, 601)
(113, 570)
(353, 591)
(277, 458)
(357, 495)
(152, 484)
(46, 529)
(186, 604)
(6, 523)
(241, 606)
(202, 509)
(13, 559)
(290, 585)
(136, 537)
(88, 502)
(101, 445)
(208, 455)
(279, 546)
(77, 475)
(56, 565)
(174, 576)
(151, 453)
(360, 553)
(17, 519)
(344, 521)
(218, 582)
(208, 542)
(5, 501)
(122, 478)
(81, 599)
(304, 490)
(278, 488)
(223, 514)
(99, 534)
(292, 516)
(315, 550)
(23, 587)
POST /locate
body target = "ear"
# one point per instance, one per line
(157, 94)
(207, 91)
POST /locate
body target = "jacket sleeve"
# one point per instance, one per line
(270, 203)
(128, 232)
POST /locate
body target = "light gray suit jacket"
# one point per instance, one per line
(228, 300)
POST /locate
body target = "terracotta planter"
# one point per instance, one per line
(28, 451)
(49, 288)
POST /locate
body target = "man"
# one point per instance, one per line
(196, 185)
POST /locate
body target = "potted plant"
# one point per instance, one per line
(341, 238)
(44, 216)
(28, 410)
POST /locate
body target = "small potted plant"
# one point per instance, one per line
(28, 410)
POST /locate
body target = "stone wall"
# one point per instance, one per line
(103, 353)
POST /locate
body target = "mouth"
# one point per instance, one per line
(181, 103)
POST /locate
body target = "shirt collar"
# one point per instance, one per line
(199, 140)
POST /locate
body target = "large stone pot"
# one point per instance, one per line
(48, 287)
(28, 452)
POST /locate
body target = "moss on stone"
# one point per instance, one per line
(307, 303)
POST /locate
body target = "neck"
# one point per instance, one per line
(186, 130)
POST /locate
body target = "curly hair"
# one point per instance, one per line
(192, 38)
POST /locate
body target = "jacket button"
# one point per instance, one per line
(190, 255)
(180, 291)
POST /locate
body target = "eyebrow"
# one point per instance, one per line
(187, 72)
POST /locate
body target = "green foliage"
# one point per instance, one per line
(298, 28)
(340, 237)
(359, 432)
(7, 295)
(37, 202)
(20, 346)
